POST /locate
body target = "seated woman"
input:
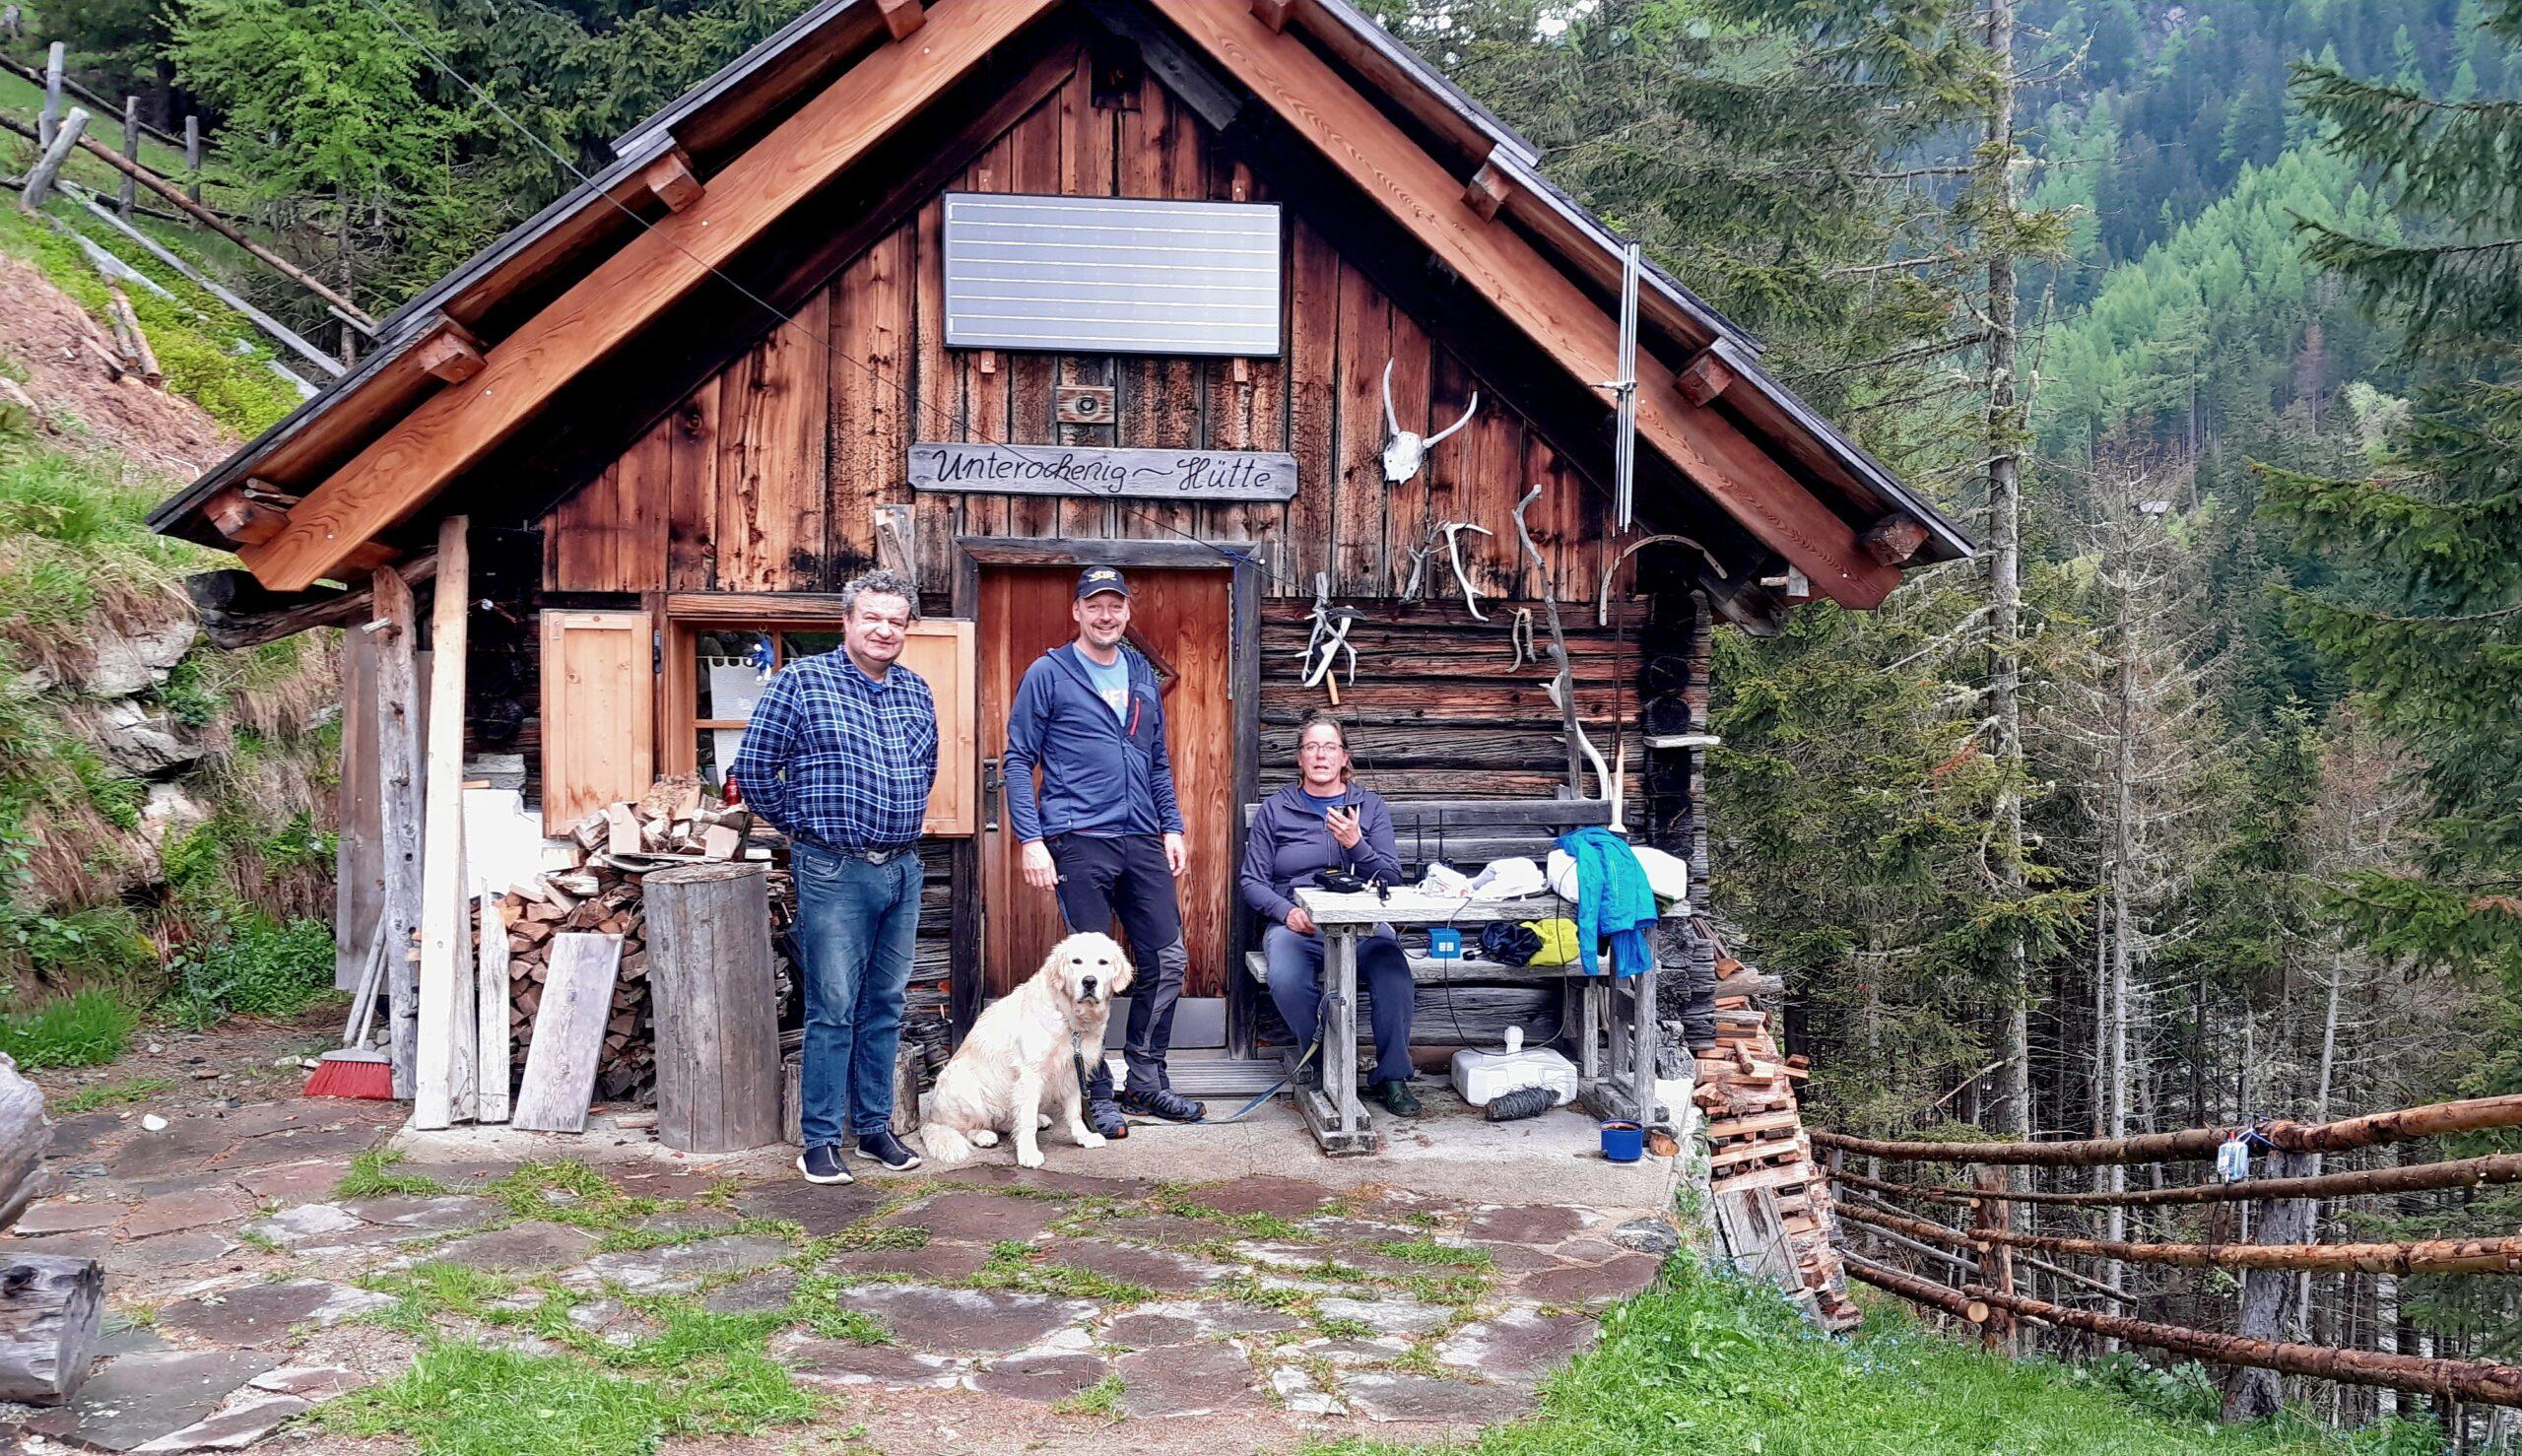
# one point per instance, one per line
(1324, 821)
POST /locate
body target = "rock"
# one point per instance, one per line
(1164, 1272)
(1353, 1353)
(969, 1321)
(1182, 1322)
(169, 811)
(142, 744)
(126, 663)
(614, 1323)
(152, 1121)
(442, 1214)
(1386, 1316)
(314, 1382)
(1280, 1198)
(527, 1248)
(763, 1293)
(58, 1217)
(141, 1397)
(1294, 1387)
(677, 1270)
(1648, 1236)
(307, 1222)
(847, 1362)
(1528, 1224)
(258, 1313)
(1599, 1284)
(819, 1211)
(1382, 1397)
(179, 1211)
(1040, 1378)
(936, 1263)
(34, 680)
(979, 1218)
(231, 1430)
(1188, 1381)
(1518, 1344)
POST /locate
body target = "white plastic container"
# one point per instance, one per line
(1482, 1075)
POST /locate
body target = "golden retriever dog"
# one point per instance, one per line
(1017, 1071)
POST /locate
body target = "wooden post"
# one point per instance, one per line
(130, 194)
(39, 178)
(1996, 1260)
(398, 811)
(717, 1030)
(192, 159)
(491, 1042)
(442, 835)
(50, 117)
(2268, 1294)
(51, 1311)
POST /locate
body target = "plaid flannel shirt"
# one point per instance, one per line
(834, 757)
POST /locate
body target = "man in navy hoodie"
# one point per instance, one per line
(1106, 835)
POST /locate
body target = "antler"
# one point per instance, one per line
(1392, 423)
(1469, 410)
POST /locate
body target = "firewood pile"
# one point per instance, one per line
(619, 845)
(1773, 1204)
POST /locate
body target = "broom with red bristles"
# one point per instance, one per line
(357, 1070)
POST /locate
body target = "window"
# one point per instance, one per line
(721, 651)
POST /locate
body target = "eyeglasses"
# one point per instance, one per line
(1321, 748)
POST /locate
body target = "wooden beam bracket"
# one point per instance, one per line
(1705, 377)
(1894, 539)
(671, 181)
(449, 353)
(1488, 192)
(1273, 14)
(901, 17)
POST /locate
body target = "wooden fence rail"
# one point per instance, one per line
(2467, 1172)
(2466, 1381)
(2427, 1256)
(2437, 1119)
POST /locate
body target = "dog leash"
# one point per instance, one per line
(1274, 1088)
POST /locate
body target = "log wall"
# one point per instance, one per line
(768, 476)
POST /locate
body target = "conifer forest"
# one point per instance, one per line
(2194, 798)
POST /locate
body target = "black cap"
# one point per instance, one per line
(1095, 579)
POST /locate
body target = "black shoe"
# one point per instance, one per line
(1164, 1103)
(1396, 1097)
(882, 1145)
(821, 1163)
(1106, 1120)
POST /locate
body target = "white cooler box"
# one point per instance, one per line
(1480, 1076)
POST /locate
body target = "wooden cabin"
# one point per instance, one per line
(990, 288)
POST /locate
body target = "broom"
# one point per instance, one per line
(356, 1069)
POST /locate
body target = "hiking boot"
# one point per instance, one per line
(1396, 1097)
(882, 1145)
(1164, 1103)
(821, 1163)
(1105, 1119)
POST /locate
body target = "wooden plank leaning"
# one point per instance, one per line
(441, 856)
(490, 1034)
(568, 1033)
(395, 630)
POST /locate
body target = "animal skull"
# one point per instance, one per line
(1405, 452)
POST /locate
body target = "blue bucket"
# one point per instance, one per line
(1624, 1142)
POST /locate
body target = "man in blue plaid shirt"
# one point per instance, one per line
(840, 755)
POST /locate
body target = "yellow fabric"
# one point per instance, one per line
(1557, 941)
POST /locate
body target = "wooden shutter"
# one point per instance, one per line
(599, 712)
(942, 652)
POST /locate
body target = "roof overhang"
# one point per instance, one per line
(469, 361)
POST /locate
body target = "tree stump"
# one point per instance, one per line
(24, 1137)
(716, 1006)
(50, 1310)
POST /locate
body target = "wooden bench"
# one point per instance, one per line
(1607, 1024)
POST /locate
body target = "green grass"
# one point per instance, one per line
(587, 1199)
(373, 1175)
(1102, 1398)
(111, 1095)
(1430, 1252)
(1707, 1364)
(461, 1398)
(87, 1030)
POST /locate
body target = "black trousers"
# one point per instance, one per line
(1104, 877)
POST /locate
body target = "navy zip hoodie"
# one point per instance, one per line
(1101, 774)
(1289, 844)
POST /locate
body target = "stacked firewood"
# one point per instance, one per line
(1769, 1190)
(671, 824)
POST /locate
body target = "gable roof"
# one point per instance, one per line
(840, 66)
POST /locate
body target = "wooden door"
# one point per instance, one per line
(1182, 620)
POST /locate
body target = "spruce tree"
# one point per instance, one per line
(2427, 618)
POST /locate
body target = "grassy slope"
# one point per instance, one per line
(1705, 1363)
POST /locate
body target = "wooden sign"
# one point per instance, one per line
(1068, 470)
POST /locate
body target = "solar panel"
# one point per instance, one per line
(1112, 275)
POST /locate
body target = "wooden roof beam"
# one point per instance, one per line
(671, 181)
(1365, 145)
(1273, 13)
(1705, 377)
(1894, 539)
(449, 352)
(901, 17)
(252, 512)
(451, 431)
(1488, 192)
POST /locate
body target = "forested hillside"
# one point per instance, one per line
(2192, 799)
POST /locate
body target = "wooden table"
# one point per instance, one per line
(1615, 1075)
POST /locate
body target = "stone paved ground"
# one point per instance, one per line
(985, 1310)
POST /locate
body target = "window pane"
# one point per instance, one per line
(796, 645)
(717, 750)
(734, 667)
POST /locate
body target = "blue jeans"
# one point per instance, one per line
(856, 923)
(1384, 975)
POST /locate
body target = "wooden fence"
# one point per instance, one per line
(1969, 1272)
